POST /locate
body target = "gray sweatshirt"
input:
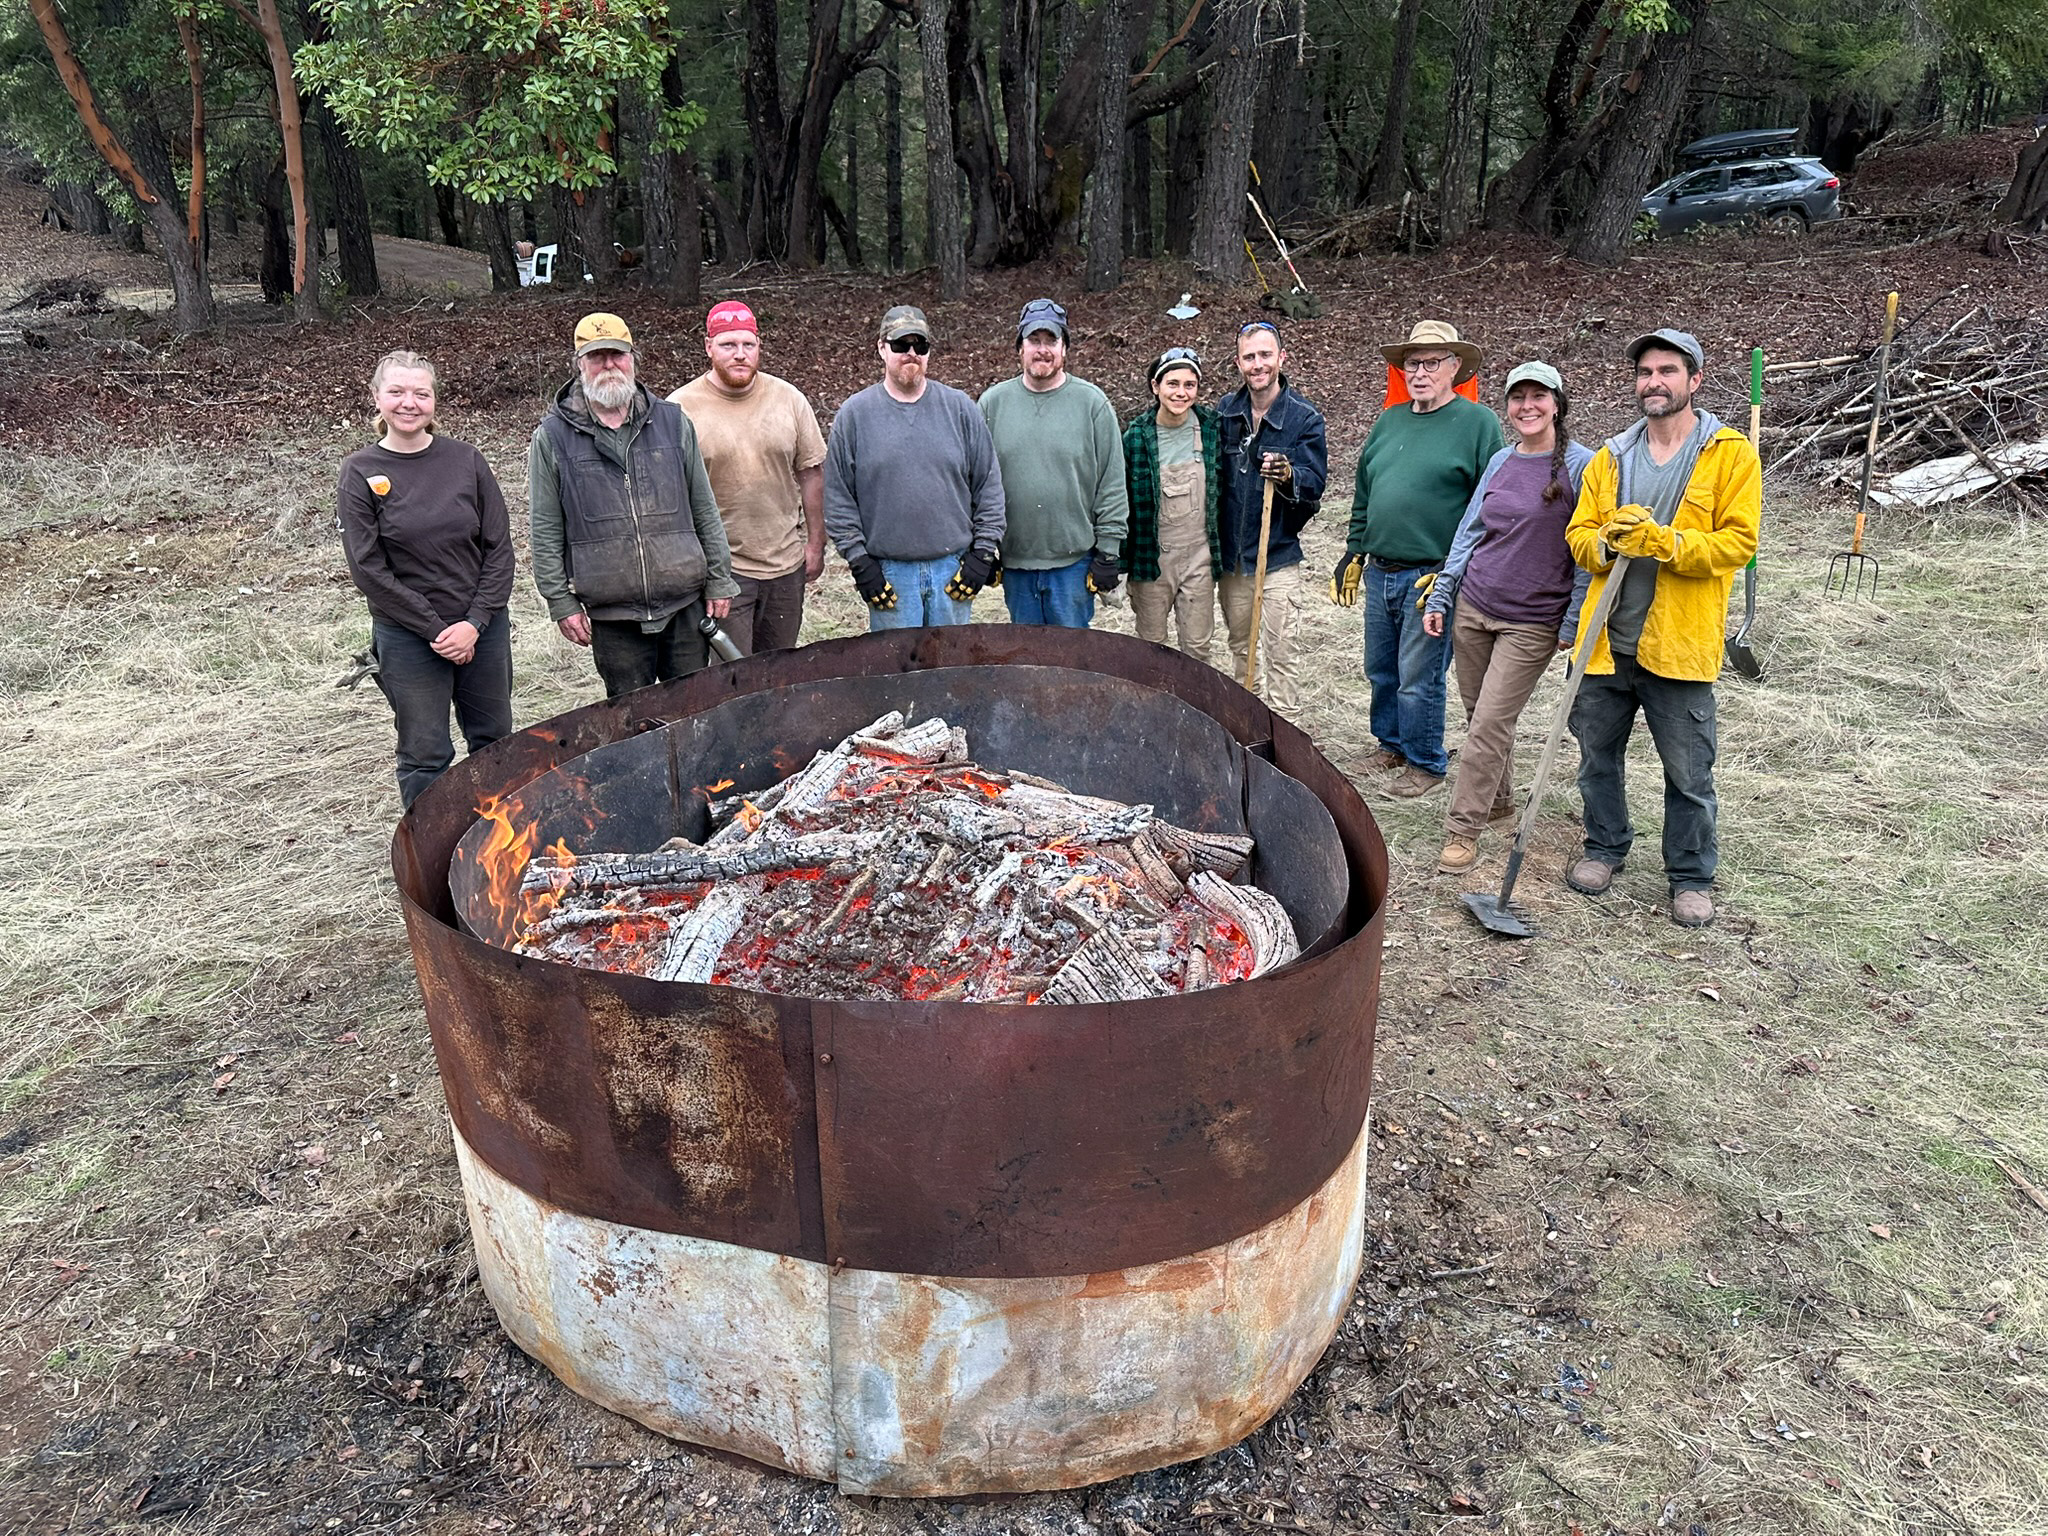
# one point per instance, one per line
(915, 481)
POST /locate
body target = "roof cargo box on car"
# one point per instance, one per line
(1740, 146)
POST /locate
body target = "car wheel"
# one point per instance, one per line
(1785, 221)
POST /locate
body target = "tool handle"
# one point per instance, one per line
(1756, 378)
(1251, 650)
(1877, 404)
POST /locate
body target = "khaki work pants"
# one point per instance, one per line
(1276, 633)
(1185, 590)
(1499, 665)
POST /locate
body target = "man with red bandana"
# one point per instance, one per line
(766, 457)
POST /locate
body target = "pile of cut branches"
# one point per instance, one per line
(1976, 388)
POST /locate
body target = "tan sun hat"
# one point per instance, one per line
(1436, 333)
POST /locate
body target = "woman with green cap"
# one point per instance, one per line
(1510, 592)
(1172, 554)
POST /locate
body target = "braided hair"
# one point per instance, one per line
(1558, 487)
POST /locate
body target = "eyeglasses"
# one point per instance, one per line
(918, 344)
(1424, 364)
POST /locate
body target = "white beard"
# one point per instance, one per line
(609, 391)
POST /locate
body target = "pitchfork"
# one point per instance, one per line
(1851, 563)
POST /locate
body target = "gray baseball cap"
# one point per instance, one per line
(905, 320)
(1684, 343)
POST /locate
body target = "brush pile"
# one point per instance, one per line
(1976, 392)
(892, 867)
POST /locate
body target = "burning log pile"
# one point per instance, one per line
(893, 867)
(1974, 389)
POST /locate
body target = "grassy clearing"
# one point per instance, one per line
(1678, 1230)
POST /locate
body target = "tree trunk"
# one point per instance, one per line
(1184, 173)
(1220, 206)
(671, 210)
(850, 116)
(1471, 60)
(1106, 211)
(1138, 192)
(184, 258)
(1522, 197)
(1025, 236)
(497, 228)
(2026, 201)
(1387, 160)
(447, 215)
(274, 269)
(942, 188)
(355, 243)
(1640, 137)
(291, 131)
(892, 151)
(1284, 133)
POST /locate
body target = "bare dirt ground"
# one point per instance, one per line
(1722, 1233)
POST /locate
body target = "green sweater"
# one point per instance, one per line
(1415, 475)
(1062, 458)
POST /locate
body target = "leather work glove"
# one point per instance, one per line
(874, 587)
(1624, 518)
(976, 566)
(1345, 579)
(1423, 588)
(1103, 575)
(1646, 538)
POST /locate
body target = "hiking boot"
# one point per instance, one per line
(1386, 760)
(1459, 855)
(1413, 783)
(1502, 809)
(1591, 877)
(1692, 909)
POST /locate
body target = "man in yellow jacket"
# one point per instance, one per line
(1682, 494)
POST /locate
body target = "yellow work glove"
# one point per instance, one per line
(1624, 518)
(1423, 588)
(1645, 539)
(1345, 579)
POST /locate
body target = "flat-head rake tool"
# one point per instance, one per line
(1740, 656)
(1851, 565)
(1492, 909)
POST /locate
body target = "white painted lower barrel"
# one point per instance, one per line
(923, 1385)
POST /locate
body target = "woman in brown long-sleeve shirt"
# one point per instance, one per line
(429, 545)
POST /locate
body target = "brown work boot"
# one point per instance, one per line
(1591, 877)
(1413, 783)
(1692, 909)
(1386, 760)
(1459, 855)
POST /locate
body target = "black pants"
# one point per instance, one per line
(421, 686)
(629, 657)
(767, 615)
(1682, 724)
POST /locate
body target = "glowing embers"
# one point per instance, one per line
(892, 867)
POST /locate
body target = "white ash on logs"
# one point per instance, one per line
(893, 867)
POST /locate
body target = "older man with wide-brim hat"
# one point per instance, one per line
(1416, 474)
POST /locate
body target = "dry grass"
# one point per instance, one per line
(210, 1325)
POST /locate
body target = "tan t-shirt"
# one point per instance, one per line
(753, 445)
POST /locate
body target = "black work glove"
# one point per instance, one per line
(873, 586)
(976, 566)
(1103, 574)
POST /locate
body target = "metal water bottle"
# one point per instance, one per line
(720, 642)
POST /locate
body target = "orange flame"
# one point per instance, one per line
(503, 858)
(719, 788)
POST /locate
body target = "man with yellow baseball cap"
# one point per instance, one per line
(629, 552)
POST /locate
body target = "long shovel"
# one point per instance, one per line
(1251, 650)
(1492, 910)
(1740, 656)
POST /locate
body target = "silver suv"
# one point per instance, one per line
(1786, 193)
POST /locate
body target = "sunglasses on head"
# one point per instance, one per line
(1259, 325)
(902, 344)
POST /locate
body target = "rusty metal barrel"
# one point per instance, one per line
(915, 1248)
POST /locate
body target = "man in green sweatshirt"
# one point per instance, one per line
(1416, 473)
(1062, 458)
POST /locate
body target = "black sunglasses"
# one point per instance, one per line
(918, 344)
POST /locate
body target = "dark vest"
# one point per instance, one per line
(632, 544)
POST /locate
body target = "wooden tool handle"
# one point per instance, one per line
(1251, 650)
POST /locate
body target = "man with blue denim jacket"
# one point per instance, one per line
(1268, 434)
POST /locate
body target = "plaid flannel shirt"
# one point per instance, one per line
(1139, 557)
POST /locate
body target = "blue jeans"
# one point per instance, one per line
(421, 687)
(1059, 596)
(920, 595)
(1683, 726)
(1406, 669)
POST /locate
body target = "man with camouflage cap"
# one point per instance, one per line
(913, 494)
